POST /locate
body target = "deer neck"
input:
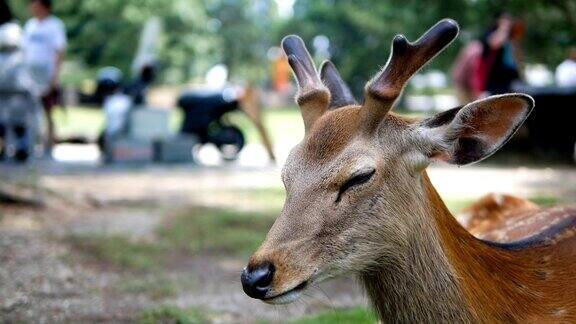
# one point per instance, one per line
(417, 284)
(443, 274)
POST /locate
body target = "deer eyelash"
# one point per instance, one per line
(355, 180)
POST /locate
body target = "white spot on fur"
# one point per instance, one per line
(559, 312)
(499, 199)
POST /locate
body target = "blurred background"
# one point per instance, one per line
(140, 165)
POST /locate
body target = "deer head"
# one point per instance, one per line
(354, 183)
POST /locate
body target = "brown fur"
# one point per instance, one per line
(497, 285)
(532, 285)
(332, 133)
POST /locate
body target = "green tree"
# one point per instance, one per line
(361, 31)
(198, 34)
(238, 33)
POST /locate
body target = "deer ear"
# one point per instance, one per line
(472, 133)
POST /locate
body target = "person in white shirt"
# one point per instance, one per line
(566, 71)
(44, 45)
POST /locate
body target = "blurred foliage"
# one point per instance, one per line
(361, 31)
(197, 34)
(201, 33)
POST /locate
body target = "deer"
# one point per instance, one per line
(507, 218)
(359, 202)
(492, 211)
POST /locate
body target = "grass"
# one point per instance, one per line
(167, 314)
(545, 201)
(192, 230)
(118, 251)
(156, 287)
(89, 122)
(280, 124)
(216, 230)
(344, 316)
(76, 121)
(268, 200)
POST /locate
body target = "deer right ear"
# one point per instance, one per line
(474, 132)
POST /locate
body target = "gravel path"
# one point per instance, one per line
(42, 280)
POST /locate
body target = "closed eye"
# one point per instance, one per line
(355, 180)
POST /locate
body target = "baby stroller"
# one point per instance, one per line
(21, 112)
(203, 111)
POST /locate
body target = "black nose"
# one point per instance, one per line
(257, 281)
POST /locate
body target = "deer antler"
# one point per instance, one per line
(313, 97)
(405, 59)
(340, 93)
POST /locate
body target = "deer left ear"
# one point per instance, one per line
(472, 133)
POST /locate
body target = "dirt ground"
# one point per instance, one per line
(43, 277)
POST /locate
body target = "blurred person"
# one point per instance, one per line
(464, 72)
(490, 64)
(21, 114)
(138, 88)
(280, 72)
(566, 71)
(44, 47)
(517, 33)
(499, 66)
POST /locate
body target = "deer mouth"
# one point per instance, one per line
(287, 296)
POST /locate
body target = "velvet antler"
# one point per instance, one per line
(405, 60)
(341, 95)
(312, 97)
